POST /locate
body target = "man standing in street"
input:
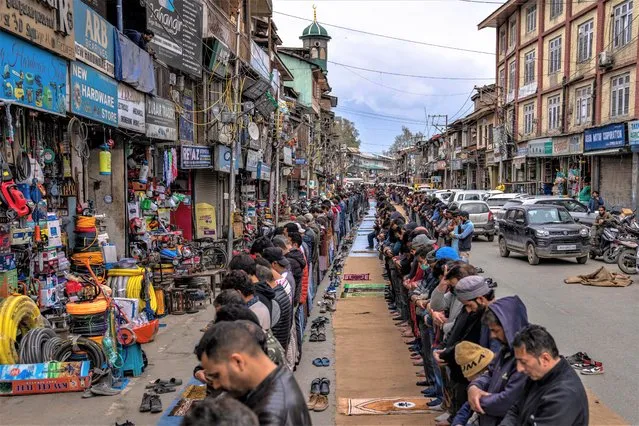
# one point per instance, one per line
(553, 394)
(596, 201)
(463, 235)
(235, 362)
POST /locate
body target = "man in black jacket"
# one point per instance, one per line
(235, 362)
(553, 394)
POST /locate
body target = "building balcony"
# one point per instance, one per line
(261, 8)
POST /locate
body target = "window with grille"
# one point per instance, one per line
(529, 68)
(583, 105)
(529, 118)
(584, 41)
(502, 82)
(620, 95)
(554, 112)
(531, 19)
(502, 40)
(511, 76)
(556, 8)
(622, 24)
(554, 62)
(512, 33)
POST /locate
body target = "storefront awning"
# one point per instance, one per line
(611, 151)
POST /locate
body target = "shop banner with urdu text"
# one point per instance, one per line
(49, 24)
(32, 77)
(177, 25)
(160, 119)
(93, 39)
(93, 94)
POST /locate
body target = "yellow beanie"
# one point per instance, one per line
(472, 358)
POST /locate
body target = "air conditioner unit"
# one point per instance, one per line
(605, 59)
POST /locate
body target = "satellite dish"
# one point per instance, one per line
(254, 131)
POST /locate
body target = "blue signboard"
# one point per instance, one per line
(633, 135)
(32, 77)
(263, 171)
(93, 94)
(611, 136)
(186, 120)
(93, 38)
(223, 159)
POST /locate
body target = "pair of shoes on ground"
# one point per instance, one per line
(318, 400)
(587, 366)
(151, 403)
(321, 362)
(318, 332)
(161, 386)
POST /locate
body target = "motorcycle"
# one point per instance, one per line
(607, 247)
(627, 260)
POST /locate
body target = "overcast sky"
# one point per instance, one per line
(444, 22)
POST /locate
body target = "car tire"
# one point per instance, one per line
(490, 238)
(582, 260)
(533, 259)
(503, 248)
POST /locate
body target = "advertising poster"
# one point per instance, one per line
(32, 77)
(177, 25)
(160, 119)
(205, 221)
(131, 109)
(93, 39)
(93, 94)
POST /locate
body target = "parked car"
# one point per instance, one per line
(543, 231)
(489, 193)
(498, 202)
(466, 195)
(577, 210)
(479, 213)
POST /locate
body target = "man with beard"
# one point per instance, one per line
(235, 362)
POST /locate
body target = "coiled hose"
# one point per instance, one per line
(18, 315)
(88, 325)
(32, 346)
(79, 344)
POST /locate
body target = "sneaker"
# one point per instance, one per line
(435, 404)
(586, 364)
(592, 371)
(577, 358)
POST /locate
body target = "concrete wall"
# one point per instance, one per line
(303, 82)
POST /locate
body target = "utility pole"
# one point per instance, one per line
(236, 101)
(275, 204)
(447, 142)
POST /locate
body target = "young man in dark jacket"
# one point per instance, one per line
(553, 394)
(298, 263)
(493, 393)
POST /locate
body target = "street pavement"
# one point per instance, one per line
(601, 321)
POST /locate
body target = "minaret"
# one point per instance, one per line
(315, 39)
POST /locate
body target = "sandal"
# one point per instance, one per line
(326, 362)
(313, 337)
(317, 362)
(315, 386)
(321, 403)
(325, 386)
(156, 404)
(171, 382)
(160, 389)
(145, 406)
(321, 337)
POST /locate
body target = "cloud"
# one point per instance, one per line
(446, 22)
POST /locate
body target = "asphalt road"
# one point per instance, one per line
(598, 320)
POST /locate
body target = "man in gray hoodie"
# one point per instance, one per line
(493, 393)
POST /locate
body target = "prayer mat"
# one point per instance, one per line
(357, 277)
(192, 394)
(383, 406)
(355, 287)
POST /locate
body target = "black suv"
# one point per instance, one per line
(542, 231)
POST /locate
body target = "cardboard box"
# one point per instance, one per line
(47, 377)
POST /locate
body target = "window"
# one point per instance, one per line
(554, 112)
(573, 206)
(554, 64)
(556, 8)
(475, 208)
(529, 68)
(583, 105)
(622, 32)
(529, 117)
(620, 95)
(584, 41)
(549, 215)
(531, 19)
(519, 216)
(502, 40)
(512, 33)
(490, 134)
(511, 76)
(502, 82)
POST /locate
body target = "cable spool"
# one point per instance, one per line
(96, 339)
(88, 325)
(80, 345)
(17, 314)
(33, 344)
(98, 306)
(126, 336)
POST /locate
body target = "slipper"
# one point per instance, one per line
(317, 362)
(156, 404)
(171, 382)
(315, 386)
(321, 403)
(312, 401)
(145, 406)
(160, 389)
(326, 362)
(325, 386)
(321, 337)
(313, 337)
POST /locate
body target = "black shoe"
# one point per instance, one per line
(145, 406)
(424, 383)
(156, 404)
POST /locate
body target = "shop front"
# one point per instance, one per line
(612, 165)
(574, 169)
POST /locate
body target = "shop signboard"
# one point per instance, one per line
(300, 161)
(260, 61)
(606, 137)
(93, 94)
(186, 118)
(560, 146)
(441, 165)
(131, 109)
(263, 171)
(288, 155)
(223, 159)
(522, 151)
(252, 160)
(160, 119)
(436, 179)
(575, 144)
(177, 25)
(457, 165)
(32, 77)
(633, 135)
(93, 39)
(540, 148)
(195, 157)
(48, 24)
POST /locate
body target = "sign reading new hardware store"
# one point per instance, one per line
(611, 136)
(47, 23)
